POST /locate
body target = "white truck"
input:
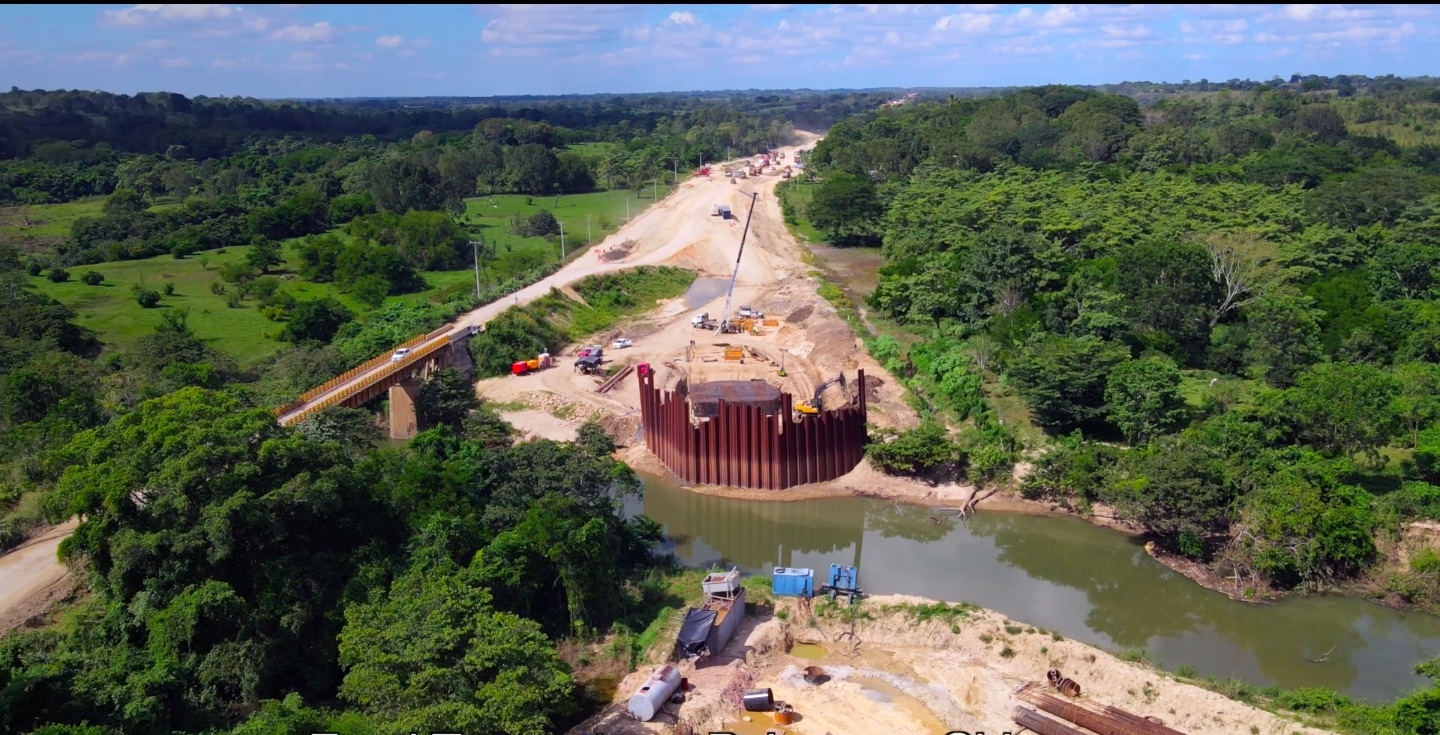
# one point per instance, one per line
(746, 312)
(702, 321)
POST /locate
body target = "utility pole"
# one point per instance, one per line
(676, 181)
(627, 209)
(587, 230)
(655, 189)
(475, 248)
(562, 241)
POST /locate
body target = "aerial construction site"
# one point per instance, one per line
(752, 315)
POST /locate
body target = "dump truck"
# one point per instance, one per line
(703, 321)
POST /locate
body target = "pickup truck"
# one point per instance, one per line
(749, 313)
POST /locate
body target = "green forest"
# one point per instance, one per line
(1213, 316)
(1216, 310)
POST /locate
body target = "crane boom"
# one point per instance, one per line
(730, 295)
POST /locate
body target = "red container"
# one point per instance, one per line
(519, 368)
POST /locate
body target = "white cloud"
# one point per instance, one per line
(154, 44)
(176, 63)
(388, 41)
(682, 18)
(139, 15)
(304, 56)
(17, 55)
(1119, 31)
(1300, 12)
(106, 57)
(314, 33)
(527, 29)
(770, 8)
(1196, 57)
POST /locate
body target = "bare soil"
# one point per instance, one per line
(32, 579)
(806, 340)
(893, 672)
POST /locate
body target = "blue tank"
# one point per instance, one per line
(844, 578)
(792, 582)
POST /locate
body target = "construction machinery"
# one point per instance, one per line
(703, 321)
(726, 326)
(813, 406)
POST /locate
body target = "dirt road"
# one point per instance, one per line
(31, 575)
(807, 344)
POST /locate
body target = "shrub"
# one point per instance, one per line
(169, 289)
(914, 451)
(59, 275)
(217, 288)
(92, 278)
(148, 298)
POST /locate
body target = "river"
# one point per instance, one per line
(1062, 574)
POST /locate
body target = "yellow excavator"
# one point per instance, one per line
(813, 406)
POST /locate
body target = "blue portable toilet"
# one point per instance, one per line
(792, 582)
(844, 578)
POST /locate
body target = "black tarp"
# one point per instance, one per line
(695, 631)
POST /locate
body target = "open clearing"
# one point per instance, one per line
(111, 311)
(807, 338)
(909, 665)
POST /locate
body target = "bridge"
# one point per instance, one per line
(442, 348)
(664, 231)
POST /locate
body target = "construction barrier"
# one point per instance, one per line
(744, 447)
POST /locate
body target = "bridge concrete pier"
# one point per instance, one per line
(404, 422)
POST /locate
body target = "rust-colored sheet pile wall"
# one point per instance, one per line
(746, 446)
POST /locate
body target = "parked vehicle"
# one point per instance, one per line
(621, 343)
(749, 313)
(400, 354)
(591, 351)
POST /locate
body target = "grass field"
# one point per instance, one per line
(795, 195)
(110, 309)
(491, 217)
(590, 149)
(54, 220)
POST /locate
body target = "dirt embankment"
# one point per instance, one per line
(910, 665)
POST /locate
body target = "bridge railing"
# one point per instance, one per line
(395, 367)
(349, 375)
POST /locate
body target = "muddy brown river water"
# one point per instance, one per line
(1063, 574)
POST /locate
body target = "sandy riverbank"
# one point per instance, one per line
(907, 671)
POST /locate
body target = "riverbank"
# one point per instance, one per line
(909, 664)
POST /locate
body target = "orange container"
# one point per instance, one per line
(784, 714)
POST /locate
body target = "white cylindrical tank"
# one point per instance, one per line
(646, 703)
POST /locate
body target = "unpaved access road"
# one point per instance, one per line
(807, 344)
(31, 574)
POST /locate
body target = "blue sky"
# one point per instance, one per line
(412, 50)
